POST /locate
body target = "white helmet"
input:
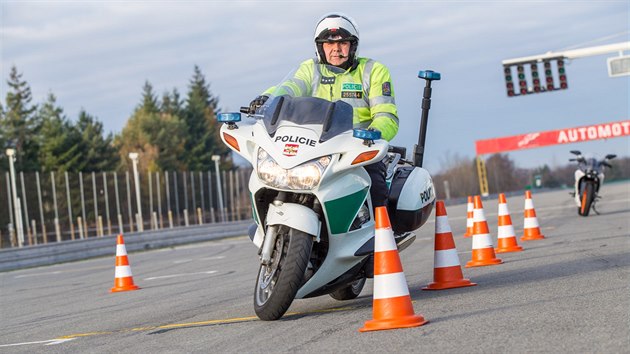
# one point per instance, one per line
(332, 25)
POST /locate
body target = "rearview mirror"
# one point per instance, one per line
(575, 152)
(610, 156)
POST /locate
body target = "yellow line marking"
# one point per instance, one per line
(203, 323)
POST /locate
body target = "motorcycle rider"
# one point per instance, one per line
(362, 82)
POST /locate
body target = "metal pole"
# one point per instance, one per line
(168, 192)
(573, 53)
(83, 219)
(28, 228)
(447, 190)
(159, 198)
(109, 222)
(120, 222)
(130, 211)
(134, 158)
(203, 203)
(216, 159)
(18, 222)
(9, 198)
(150, 179)
(18, 216)
(185, 190)
(185, 198)
(179, 222)
(232, 194)
(210, 202)
(428, 76)
(192, 192)
(237, 185)
(54, 190)
(69, 206)
(169, 211)
(224, 184)
(95, 204)
(41, 206)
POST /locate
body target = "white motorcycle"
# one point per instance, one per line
(314, 221)
(588, 178)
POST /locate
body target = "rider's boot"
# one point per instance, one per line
(404, 240)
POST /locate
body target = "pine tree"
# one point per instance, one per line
(98, 153)
(158, 136)
(149, 101)
(20, 126)
(203, 132)
(171, 103)
(59, 141)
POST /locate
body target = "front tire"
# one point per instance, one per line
(586, 197)
(279, 281)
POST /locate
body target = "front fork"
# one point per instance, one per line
(268, 244)
(270, 236)
(283, 214)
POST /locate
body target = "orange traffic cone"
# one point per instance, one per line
(482, 247)
(469, 217)
(447, 271)
(123, 279)
(506, 240)
(392, 306)
(531, 229)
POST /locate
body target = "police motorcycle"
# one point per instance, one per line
(314, 220)
(589, 176)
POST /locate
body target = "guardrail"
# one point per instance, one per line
(67, 251)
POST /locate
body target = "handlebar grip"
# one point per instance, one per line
(572, 159)
(244, 110)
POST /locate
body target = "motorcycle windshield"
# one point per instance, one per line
(590, 164)
(293, 101)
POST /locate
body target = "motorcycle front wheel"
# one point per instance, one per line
(586, 198)
(279, 281)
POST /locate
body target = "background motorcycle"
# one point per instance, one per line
(588, 178)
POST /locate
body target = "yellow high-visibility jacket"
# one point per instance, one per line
(367, 88)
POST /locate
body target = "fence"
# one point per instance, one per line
(55, 207)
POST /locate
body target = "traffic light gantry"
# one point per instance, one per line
(530, 65)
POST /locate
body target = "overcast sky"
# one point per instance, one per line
(97, 55)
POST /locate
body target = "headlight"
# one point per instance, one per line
(304, 176)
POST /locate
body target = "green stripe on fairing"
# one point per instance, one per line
(341, 212)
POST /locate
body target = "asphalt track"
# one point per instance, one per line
(568, 293)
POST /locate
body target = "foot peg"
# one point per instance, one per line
(404, 240)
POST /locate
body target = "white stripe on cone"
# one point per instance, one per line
(529, 204)
(390, 285)
(122, 272)
(478, 215)
(531, 223)
(503, 210)
(446, 258)
(482, 241)
(384, 240)
(441, 225)
(506, 231)
(121, 250)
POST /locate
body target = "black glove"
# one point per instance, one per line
(257, 103)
